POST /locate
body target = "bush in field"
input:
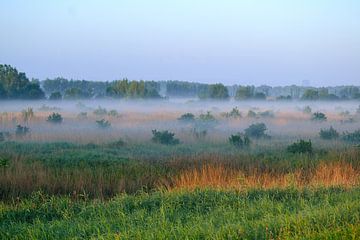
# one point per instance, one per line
(103, 123)
(235, 113)
(352, 137)
(27, 114)
(117, 144)
(164, 137)
(251, 114)
(199, 134)
(4, 162)
(208, 117)
(256, 130)
(301, 146)
(268, 114)
(113, 113)
(319, 116)
(187, 117)
(21, 131)
(328, 134)
(307, 110)
(239, 140)
(100, 111)
(55, 118)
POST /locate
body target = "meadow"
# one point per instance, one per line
(99, 169)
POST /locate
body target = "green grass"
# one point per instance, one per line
(203, 214)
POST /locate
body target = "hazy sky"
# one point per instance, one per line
(274, 42)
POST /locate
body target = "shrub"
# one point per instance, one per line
(100, 111)
(164, 137)
(328, 134)
(256, 130)
(27, 114)
(352, 137)
(103, 123)
(319, 116)
(55, 118)
(235, 113)
(307, 110)
(4, 162)
(113, 113)
(301, 146)
(199, 134)
(116, 144)
(239, 141)
(251, 114)
(208, 117)
(267, 113)
(187, 117)
(21, 131)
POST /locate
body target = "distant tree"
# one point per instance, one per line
(244, 93)
(259, 96)
(215, 91)
(187, 117)
(55, 118)
(55, 96)
(15, 85)
(310, 94)
(239, 140)
(76, 93)
(164, 137)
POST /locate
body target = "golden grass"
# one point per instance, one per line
(217, 176)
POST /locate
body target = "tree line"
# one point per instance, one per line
(15, 85)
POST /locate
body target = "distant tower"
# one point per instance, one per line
(305, 83)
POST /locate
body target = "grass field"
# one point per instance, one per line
(75, 180)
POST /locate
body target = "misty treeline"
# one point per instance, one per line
(15, 85)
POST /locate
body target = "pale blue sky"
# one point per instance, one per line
(275, 42)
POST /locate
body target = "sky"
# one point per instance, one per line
(273, 42)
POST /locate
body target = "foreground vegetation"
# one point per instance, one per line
(332, 213)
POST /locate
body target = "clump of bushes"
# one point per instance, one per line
(187, 117)
(319, 116)
(164, 137)
(234, 113)
(55, 118)
(103, 123)
(352, 137)
(55, 96)
(307, 110)
(208, 117)
(113, 113)
(328, 134)
(256, 130)
(301, 146)
(251, 114)
(117, 144)
(21, 131)
(239, 140)
(100, 111)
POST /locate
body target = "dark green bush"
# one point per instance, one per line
(256, 130)
(239, 140)
(328, 134)
(21, 131)
(319, 116)
(301, 146)
(55, 96)
(103, 124)
(208, 117)
(187, 117)
(352, 137)
(235, 113)
(164, 137)
(55, 118)
(100, 111)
